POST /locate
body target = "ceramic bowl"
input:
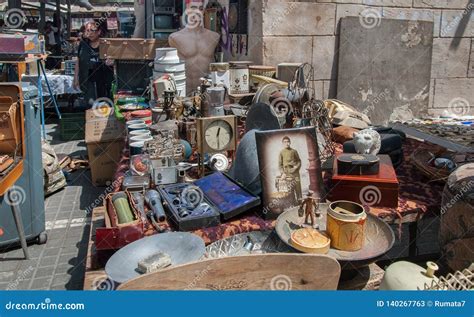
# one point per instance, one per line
(139, 132)
(139, 126)
(140, 138)
(136, 148)
(134, 121)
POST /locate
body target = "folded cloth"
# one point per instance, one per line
(343, 134)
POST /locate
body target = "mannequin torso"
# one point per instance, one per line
(196, 46)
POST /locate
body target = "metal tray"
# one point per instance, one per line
(181, 246)
(379, 237)
(261, 242)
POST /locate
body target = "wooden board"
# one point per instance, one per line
(129, 49)
(94, 271)
(385, 66)
(249, 272)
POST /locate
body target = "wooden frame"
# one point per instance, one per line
(14, 91)
(201, 125)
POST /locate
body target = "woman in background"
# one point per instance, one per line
(92, 76)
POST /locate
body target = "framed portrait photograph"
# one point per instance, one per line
(290, 168)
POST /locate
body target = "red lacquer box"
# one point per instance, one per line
(379, 190)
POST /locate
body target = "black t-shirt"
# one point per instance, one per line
(97, 69)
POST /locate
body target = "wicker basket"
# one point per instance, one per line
(422, 160)
(260, 70)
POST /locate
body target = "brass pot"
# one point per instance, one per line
(346, 225)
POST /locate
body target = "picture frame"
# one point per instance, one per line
(290, 167)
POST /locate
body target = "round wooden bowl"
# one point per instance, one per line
(310, 245)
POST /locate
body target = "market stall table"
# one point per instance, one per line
(368, 278)
(59, 84)
(419, 203)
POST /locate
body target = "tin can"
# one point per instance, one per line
(346, 225)
(239, 78)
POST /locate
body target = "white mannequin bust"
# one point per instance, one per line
(196, 45)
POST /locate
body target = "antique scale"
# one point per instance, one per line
(215, 135)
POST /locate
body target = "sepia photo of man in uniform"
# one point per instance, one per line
(289, 163)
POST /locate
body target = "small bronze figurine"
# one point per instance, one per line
(310, 206)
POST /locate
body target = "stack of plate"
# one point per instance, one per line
(167, 62)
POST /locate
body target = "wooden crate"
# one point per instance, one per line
(72, 126)
(129, 49)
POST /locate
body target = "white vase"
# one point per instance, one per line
(167, 55)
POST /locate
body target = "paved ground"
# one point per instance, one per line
(59, 264)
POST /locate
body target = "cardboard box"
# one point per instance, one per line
(105, 141)
(99, 114)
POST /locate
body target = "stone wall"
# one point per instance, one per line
(308, 31)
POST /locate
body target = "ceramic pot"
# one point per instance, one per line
(239, 78)
(346, 225)
(406, 276)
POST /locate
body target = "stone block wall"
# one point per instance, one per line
(308, 31)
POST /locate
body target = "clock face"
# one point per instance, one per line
(218, 135)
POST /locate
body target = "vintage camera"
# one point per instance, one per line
(164, 171)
